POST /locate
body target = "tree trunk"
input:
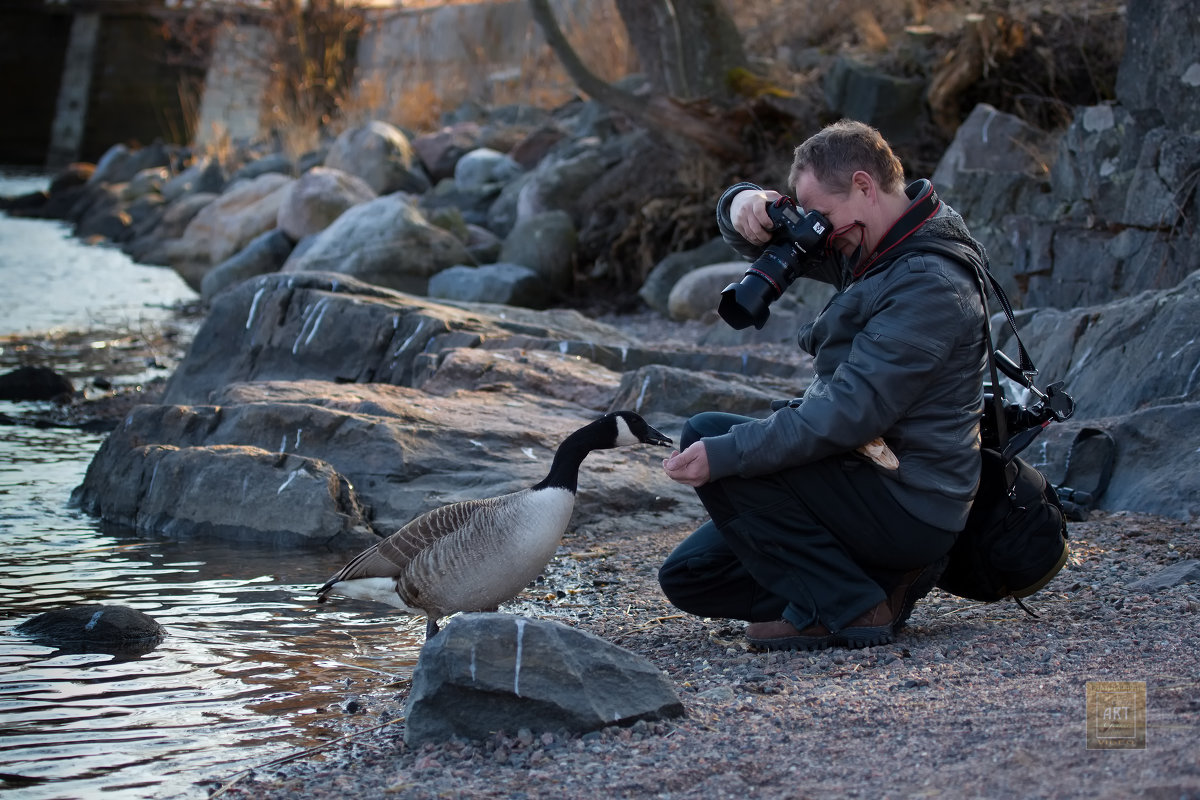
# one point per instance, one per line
(657, 111)
(686, 48)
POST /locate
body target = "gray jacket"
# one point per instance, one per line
(898, 353)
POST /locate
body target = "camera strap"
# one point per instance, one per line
(925, 204)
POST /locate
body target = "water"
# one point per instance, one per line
(251, 668)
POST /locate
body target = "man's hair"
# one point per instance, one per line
(839, 150)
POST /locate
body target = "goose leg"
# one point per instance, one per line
(431, 628)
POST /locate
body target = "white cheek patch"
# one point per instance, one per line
(624, 434)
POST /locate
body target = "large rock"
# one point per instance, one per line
(507, 284)
(387, 242)
(489, 672)
(35, 383)
(329, 327)
(381, 155)
(232, 493)
(439, 151)
(546, 244)
(1151, 470)
(682, 393)
(317, 198)
(1159, 71)
(266, 253)
(889, 102)
(203, 175)
(1117, 357)
(227, 224)
(485, 169)
(656, 289)
(274, 461)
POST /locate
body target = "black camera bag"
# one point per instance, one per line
(1015, 539)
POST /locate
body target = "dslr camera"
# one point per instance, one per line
(796, 238)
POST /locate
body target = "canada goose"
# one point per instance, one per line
(475, 554)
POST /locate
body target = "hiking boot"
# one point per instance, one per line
(872, 627)
(912, 587)
(783, 635)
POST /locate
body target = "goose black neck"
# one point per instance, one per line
(564, 470)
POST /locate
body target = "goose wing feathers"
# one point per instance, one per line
(390, 557)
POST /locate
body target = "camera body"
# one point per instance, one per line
(796, 238)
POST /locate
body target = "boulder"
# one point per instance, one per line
(697, 293)
(562, 183)
(34, 383)
(656, 289)
(484, 168)
(204, 175)
(682, 393)
(508, 284)
(94, 628)
(317, 198)
(889, 102)
(271, 162)
(274, 461)
(101, 213)
(545, 243)
(381, 155)
(231, 493)
(265, 253)
(489, 672)
(439, 151)
(385, 241)
(227, 224)
(1159, 72)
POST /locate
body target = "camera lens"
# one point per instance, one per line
(748, 302)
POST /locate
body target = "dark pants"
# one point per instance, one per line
(823, 542)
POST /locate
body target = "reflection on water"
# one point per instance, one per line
(251, 668)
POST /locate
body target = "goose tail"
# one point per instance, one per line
(357, 567)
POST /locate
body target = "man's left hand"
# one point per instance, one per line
(689, 467)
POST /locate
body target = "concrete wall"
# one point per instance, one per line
(236, 87)
(413, 65)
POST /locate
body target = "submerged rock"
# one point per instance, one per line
(94, 628)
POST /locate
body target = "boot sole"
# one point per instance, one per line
(856, 638)
(794, 642)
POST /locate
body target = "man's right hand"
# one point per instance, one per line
(748, 213)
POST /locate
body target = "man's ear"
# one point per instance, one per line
(862, 181)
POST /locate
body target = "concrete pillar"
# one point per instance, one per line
(70, 114)
(236, 86)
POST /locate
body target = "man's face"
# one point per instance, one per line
(842, 209)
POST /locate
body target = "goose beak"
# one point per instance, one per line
(656, 437)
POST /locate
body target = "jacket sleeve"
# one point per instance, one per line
(819, 268)
(732, 238)
(893, 363)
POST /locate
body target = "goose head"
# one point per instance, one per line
(627, 428)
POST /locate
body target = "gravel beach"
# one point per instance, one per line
(971, 700)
